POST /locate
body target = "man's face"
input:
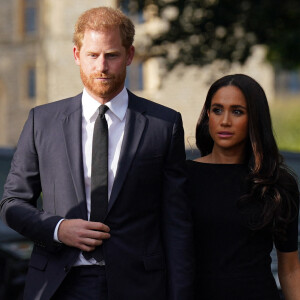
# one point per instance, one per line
(103, 60)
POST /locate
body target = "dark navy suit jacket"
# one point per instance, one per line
(149, 254)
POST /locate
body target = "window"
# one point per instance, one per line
(29, 16)
(31, 83)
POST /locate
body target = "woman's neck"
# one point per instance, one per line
(221, 156)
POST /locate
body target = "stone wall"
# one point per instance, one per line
(16, 55)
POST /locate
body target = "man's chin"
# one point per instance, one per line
(108, 94)
(105, 94)
(104, 91)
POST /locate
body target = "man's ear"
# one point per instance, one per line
(130, 54)
(76, 53)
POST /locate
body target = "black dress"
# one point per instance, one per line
(232, 261)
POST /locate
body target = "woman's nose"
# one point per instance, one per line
(226, 121)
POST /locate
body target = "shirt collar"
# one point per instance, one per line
(118, 105)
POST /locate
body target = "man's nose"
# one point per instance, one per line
(102, 65)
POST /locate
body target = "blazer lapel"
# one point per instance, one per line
(134, 128)
(71, 124)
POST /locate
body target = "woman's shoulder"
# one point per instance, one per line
(288, 180)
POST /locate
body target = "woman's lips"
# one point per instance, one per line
(225, 134)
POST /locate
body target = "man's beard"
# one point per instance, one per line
(103, 89)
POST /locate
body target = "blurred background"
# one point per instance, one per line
(181, 48)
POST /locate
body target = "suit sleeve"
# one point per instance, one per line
(177, 220)
(22, 189)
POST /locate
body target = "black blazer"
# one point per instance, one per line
(149, 254)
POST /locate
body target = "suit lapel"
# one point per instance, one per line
(72, 128)
(134, 128)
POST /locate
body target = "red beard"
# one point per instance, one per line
(102, 89)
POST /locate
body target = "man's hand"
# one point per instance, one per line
(82, 234)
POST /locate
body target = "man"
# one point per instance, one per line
(136, 246)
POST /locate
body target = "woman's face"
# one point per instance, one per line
(228, 119)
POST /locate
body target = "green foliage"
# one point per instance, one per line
(286, 124)
(205, 30)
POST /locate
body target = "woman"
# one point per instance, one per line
(243, 198)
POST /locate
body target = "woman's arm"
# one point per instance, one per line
(289, 274)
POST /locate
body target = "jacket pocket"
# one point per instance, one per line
(154, 262)
(38, 261)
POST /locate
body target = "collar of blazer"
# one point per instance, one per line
(134, 127)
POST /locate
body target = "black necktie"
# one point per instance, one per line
(99, 176)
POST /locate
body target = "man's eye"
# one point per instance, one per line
(111, 55)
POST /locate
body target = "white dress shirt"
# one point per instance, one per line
(115, 117)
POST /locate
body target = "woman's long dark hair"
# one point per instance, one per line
(272, 184)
